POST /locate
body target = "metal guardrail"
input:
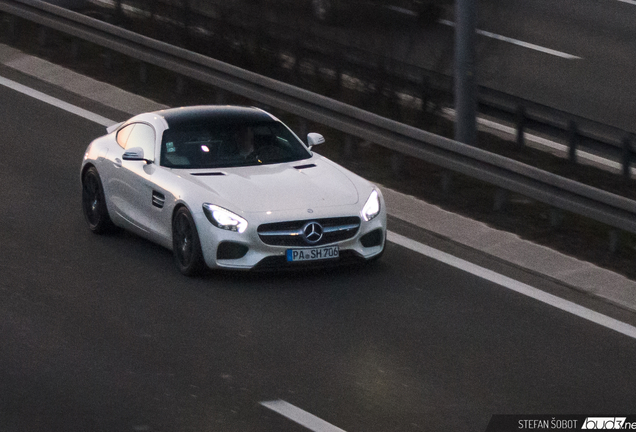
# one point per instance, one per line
(562, 193)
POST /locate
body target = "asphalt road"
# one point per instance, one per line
(102, 333)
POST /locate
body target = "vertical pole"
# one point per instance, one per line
(465, 83)
(627, 156)
(573, 131)
(521, 124)
(119, 13)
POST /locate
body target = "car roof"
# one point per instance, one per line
(213, 113)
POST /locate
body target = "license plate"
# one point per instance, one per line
(327, 252)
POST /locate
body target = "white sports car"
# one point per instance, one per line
(229, 187)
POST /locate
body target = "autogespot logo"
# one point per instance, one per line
(312, 232)
(607, 423)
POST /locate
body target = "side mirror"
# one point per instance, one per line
(134, 154)
(314, 139)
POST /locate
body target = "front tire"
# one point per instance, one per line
(186, 246)
(94, 203)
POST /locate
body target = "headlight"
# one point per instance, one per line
(224, 219)
(372, 208)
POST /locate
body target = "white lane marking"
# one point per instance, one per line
(402, 10)
(395, 238)
(56, 102)
(300, 416)
(631, 2)
(518, 42)
(514, 285)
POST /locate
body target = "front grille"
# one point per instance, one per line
(291, 233)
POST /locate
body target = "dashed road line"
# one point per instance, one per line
(518, 42)
(300, 416)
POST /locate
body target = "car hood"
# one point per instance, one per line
(309, 184)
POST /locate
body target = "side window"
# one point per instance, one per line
(142, 136)
(122, 135)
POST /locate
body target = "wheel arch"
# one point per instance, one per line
(86, 167)
(176, 208)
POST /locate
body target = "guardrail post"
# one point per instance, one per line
(339, 79)
(397, 164)
(501, 199)
(614, 240)
(143, 73)
(220, 97)
(521, 124)
(627, 156)
(108, 60)
(447, 181)
(119, 12)
(349, 147)
(425, 92)
(11, 27)
(186, 22)
(181, 85)
(573, 140)
(153, 11)
(556, 217)
(297, 60)
(75, 49)
(302, 128)
(43, 34)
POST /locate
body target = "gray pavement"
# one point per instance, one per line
(507, 247)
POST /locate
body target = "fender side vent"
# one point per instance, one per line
(300, 167)
(158, 199)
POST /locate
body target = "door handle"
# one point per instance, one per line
(117, 162)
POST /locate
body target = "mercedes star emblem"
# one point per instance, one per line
(312, 232)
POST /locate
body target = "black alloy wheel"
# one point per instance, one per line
(186, 246)
(94, 203)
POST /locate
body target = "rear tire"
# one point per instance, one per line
(94, 203)
(186, 246)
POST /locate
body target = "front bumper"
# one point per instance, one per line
(263, 256)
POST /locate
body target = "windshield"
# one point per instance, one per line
(223, 146)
